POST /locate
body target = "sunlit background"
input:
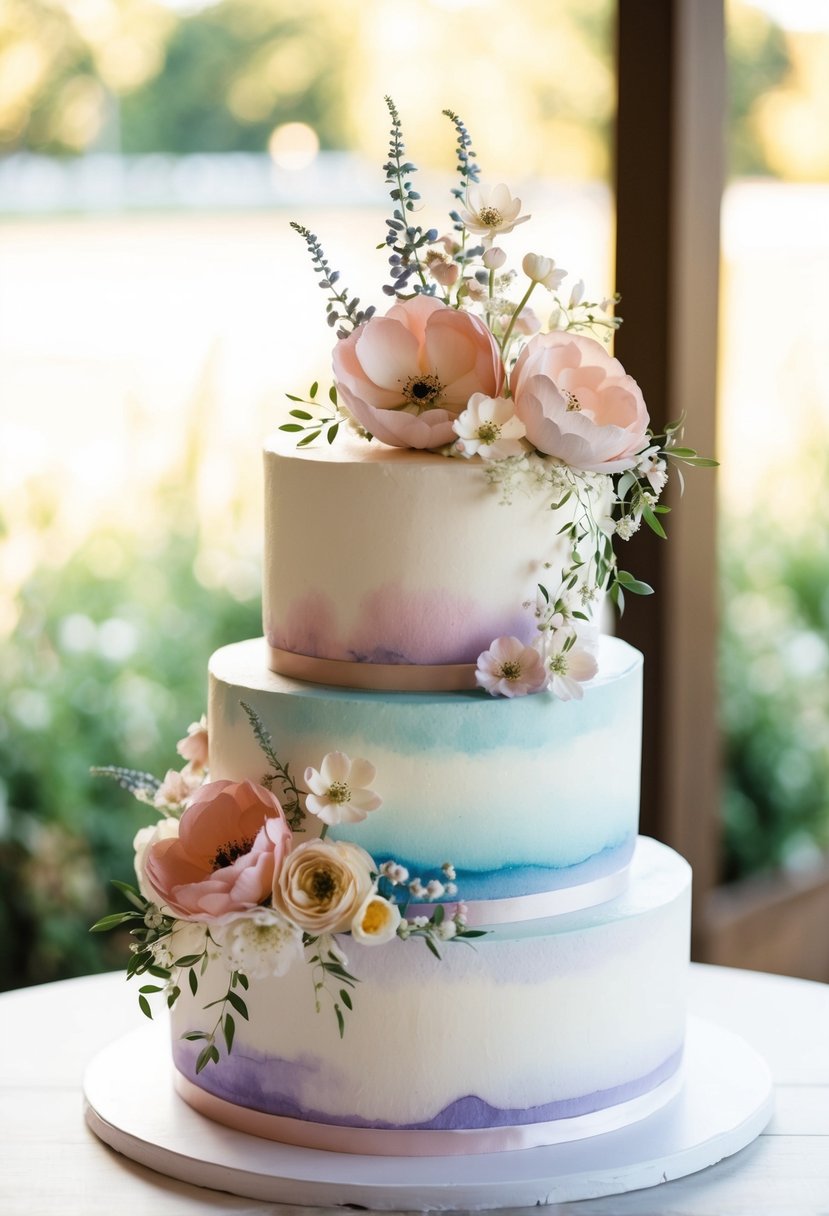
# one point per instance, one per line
(155, 307)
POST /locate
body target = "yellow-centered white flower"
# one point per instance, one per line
(376, 922)
(491, 210)
(489, 428)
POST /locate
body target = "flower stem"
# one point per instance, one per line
(511, 326)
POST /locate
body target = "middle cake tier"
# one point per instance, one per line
(532, 799)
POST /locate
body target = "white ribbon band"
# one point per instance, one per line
(424, 1143)
(532, 907)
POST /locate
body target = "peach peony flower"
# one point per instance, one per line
(406, 376)
(194, 746)
(578, 404)
(232, 840)
(322, 885)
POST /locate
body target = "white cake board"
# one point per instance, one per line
(725, 1102)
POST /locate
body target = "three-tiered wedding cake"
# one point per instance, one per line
(408, 912)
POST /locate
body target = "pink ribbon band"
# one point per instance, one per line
(533, 907)
(378, 677)
(423, 1143)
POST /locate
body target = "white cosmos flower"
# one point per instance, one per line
(488, 426)
(569, 665)
(490, 210)
(340, 790)
(653, 467)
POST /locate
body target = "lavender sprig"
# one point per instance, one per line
(404, 239)
(467, 169)
(291, 804)
(338, 307)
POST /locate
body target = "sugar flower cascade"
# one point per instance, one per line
(459, 366)
(234, 875)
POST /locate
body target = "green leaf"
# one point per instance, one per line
(438, 915)
(340, 1020)
(431, 946)
(292, 426)
(228, 1030)
(345, 998)
(187, 960)
(135, 897)
(144, 1006)
(301, 414)
(172, 996)
(243, 980)
(150, 988)
(332, 432)
(110, 922)
(193, 981)
(208, 1054)
(238, 1004)
(313, 390)
(193, 1035)
(303, 443)
(332, 393)
(291, 397)
(653, 523)
(632, 584)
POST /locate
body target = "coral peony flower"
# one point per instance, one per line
(194, 747)
(491, 210)
(376, 921)
(407, 375)
(340, 790)
(322, 884)
(578, 404)
(232, 840)
(510, 669)
(488, 426)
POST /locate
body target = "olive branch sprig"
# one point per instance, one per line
(309, 425)
(327, 965)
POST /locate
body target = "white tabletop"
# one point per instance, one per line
(51, 1163)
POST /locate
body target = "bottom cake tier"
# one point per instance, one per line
(543, 1031)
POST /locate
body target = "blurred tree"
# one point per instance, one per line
(234, 71)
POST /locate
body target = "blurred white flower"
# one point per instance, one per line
(542, 270)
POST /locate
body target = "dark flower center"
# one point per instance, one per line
(423, 391)
(323, 885)
(231, 851)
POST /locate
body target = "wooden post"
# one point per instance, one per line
(669, 177)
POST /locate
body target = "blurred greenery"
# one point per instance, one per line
(108, 666)
(774, 683)
(137, 76)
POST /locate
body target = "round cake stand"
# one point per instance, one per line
(725, 1102)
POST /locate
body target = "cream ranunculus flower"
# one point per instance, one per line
(165, 829)
(322, 884)
(376, 921)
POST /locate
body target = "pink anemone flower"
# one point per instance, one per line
(406, 376)
(232, 840)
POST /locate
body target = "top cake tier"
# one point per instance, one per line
(392, 568)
